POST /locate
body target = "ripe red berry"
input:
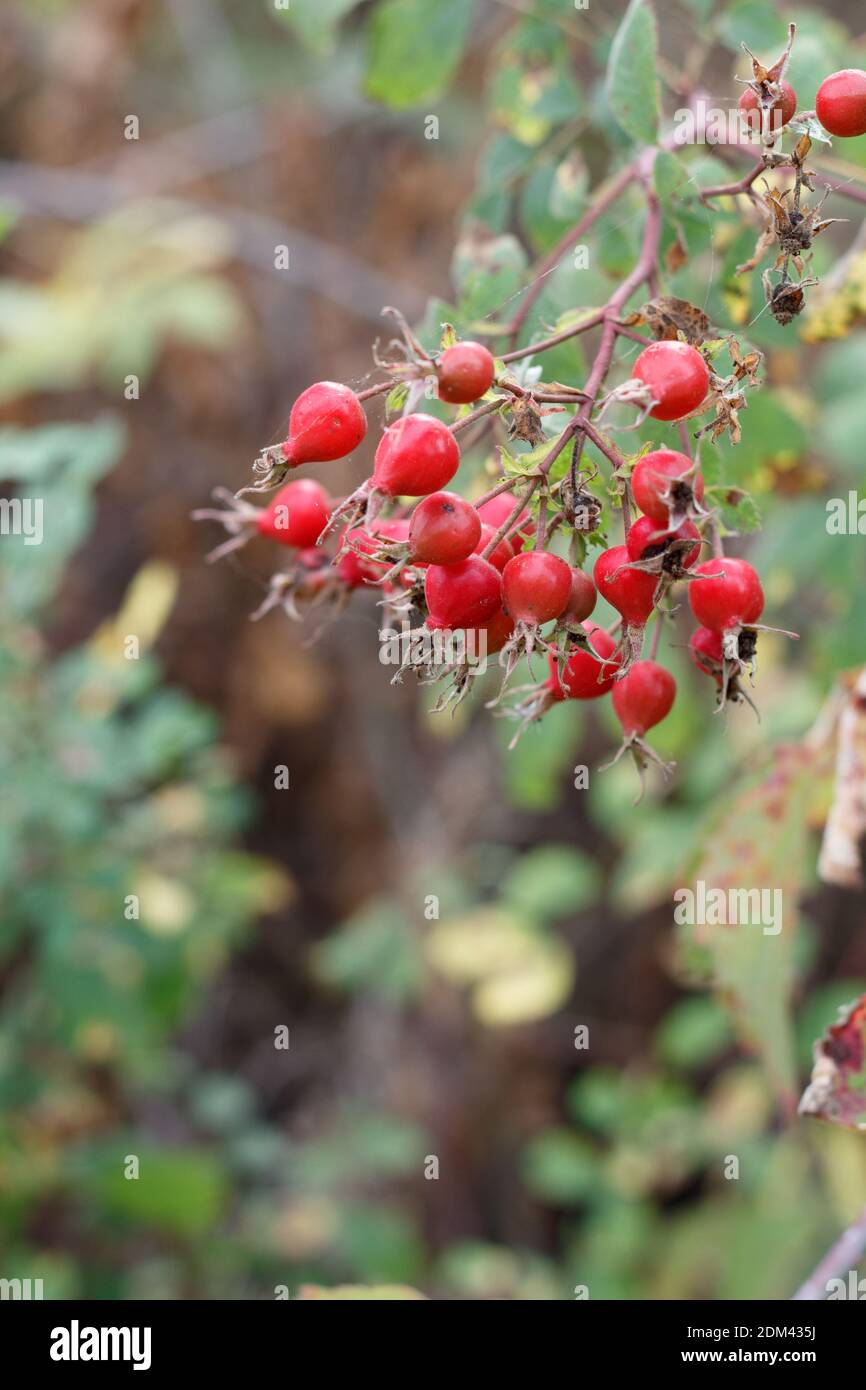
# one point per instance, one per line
(497, 510)
(417, 455)
(503, 552)
(463, 595)
(676, 375)
(663, 482)
(581, 600)
(327, 422)
(444, 528)
(643, 698)
(297, 514)
(465, 372)
(645, 540)
(730, 599)
(583, 676)
(630, 591)
(707, 653)
(778, 115)
(841, 102)
(536, 586)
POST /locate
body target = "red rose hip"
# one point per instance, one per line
(584, 676)
(646, 540)
(417, 455)
(665, 482)
(728, 596)
(677, 377)
(581, 600)
(630, 591)
(467, 594)
(536, 586)
(841, 102)
(465, 372)
(297, 515)
(444, 528)
(643, 698)
(776, 117)
(327, 422)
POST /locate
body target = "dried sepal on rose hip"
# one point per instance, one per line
(479, 643)
(311, 581)
(769, 101)
(296, 517)
(726, 597)
(641, 700)
(668, 487)
(707, 654)
(585, 669)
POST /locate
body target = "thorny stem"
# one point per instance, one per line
(845, 1254)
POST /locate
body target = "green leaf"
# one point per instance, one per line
(551, 881)
(670, 176)
(316, 21)
(632, 82)
(757, 23)
(374, 950)
(694, 1032)
(759, 844)
(560, 1167)
(183, 1191)
(414, 47)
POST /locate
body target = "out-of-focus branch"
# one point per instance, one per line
(338, 275)
(845, 1255)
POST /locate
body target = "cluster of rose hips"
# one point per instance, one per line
(466, 568)
(840, 104)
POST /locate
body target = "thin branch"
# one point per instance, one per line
(604, 199)
(843, 1256)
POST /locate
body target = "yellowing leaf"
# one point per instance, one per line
(167, 907)
(143, 614)
(518, 974)
(535, 988)
(470, 947)
(840, 306)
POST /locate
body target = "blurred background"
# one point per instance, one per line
(429, 916)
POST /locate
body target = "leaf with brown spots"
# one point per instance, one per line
(837, 1091)
(759, 842)
(668, 317)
